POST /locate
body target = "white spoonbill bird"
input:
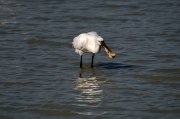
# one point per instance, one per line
(90, 42)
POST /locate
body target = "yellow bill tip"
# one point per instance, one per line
(112, 55)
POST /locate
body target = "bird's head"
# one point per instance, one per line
(99, 40)
(108, 51)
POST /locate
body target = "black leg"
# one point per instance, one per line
(81, 62)
(92, 61)
(81, 72)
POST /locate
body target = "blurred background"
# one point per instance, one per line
(39, 70)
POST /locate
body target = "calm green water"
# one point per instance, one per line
(39, 70)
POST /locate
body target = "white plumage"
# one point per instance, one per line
(87, 42)
(90, 42)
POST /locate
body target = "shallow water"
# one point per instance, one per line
(40, 75)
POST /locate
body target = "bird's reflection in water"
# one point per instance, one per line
(91, 72)
(89, 90)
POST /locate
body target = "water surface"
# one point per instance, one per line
(39, 70)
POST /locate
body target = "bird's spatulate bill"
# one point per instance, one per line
(108, 51)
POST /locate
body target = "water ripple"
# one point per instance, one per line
(40, 74)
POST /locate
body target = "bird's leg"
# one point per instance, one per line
(81, 62)
(81, 72)
(92, 61)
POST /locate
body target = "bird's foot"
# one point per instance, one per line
(92, 66)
